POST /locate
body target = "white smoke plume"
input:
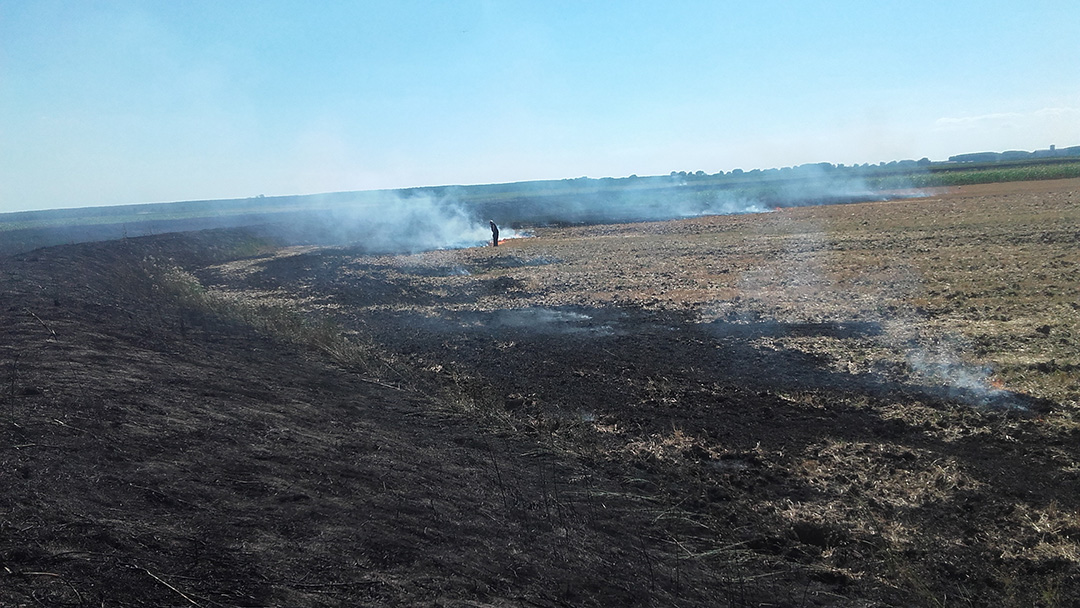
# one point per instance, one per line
(389, 223)
(682, 195)
(794, 296)
(939, 365)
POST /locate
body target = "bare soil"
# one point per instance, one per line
(871, 404)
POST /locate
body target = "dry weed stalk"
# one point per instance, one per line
(278, 318)
(43, 323)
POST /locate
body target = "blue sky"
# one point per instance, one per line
(120, 102)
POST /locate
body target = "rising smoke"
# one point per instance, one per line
(634, 199)
(942, 368)
(453, 217)
(793, 295)
(792, 303)
(389, 223)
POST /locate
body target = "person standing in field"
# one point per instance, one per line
(494, 233)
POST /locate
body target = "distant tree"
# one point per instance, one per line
(975, 157)
(1014, 155)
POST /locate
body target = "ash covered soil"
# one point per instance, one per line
(871, 404)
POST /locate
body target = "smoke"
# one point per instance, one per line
(792, 303)
(424, 220)
(524, 321)
(682, 195)
(548, 320)
(456, 216)
(820, 184)
(388, 223)
(937, 363)
(730, 205)
(414, 220)
(943, 369)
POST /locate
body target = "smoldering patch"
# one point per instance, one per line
(946, 376)
(756, 328)
(510, 261)
(435, 271)
(525, 321)
(542, 318)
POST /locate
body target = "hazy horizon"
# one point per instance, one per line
(140, 102)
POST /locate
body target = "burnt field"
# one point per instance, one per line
(871, 404)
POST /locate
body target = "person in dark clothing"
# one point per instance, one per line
(494, 233)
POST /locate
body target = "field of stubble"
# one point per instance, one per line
(859, 405)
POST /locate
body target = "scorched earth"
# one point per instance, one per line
(870, 404)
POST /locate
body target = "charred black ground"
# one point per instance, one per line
(859, 405)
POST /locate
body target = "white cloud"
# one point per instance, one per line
(1024, 130)
(977, 121)
(1041, 118)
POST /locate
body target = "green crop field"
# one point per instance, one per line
(980, 174)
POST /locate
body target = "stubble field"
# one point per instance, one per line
(870, 404)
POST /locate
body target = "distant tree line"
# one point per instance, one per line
(1014, 155)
